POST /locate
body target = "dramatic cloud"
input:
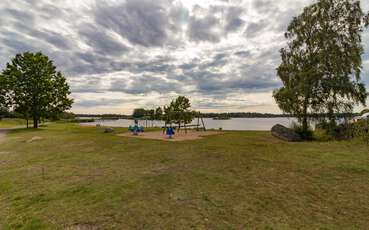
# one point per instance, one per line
(122, 54)
(146, 23)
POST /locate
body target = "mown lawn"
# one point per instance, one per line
(9, 123)
(80, 178)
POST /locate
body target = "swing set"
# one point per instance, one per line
(182, 120)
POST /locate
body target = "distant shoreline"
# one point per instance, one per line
(214, 115)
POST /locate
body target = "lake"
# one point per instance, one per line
(257, 124)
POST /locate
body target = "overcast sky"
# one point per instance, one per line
(118, 55)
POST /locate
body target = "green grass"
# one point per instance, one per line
(79, 176)
(12, 122)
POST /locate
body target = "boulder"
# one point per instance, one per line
(109, 130)
(285, 133)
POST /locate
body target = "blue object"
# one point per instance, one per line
(170, 132)
(136, 129)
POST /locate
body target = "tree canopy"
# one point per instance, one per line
(321, 64)
(31, 86)
(179, 111)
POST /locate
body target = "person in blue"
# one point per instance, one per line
(170, 132)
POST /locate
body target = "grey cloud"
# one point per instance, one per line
(204, 29)
(255, 28)
(140, 38)
(236, 85)
(234, 22)
(87, 84)
(49, 11)
(53, 38)
(16, 45)
(146, 23)
(100, 41)
(243, 54)
(219, 60)
(100, 102)
(19, 15)
(145, 84)
(264, 6)
(212, 28)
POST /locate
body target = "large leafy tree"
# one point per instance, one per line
(178, 111)
(158, 113)
(321, 64)
(3, 106)
(139, 113)
(32, 86)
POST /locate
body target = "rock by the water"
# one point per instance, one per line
(109, 130)
(285, 133)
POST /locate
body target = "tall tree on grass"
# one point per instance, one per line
(321, 64)
(139, 113)
(158, 113)
(34, 88)
(3, 105)
(178, 111)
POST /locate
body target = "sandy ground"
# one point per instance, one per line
(182, 136)
(3, 132)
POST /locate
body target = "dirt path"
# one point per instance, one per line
(3, 133)
(182, 136)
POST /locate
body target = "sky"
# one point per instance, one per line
(118, 55)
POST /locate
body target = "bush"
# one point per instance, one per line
(361, 130)
(84, 120)
(330, 131)
(305, 135)
(3, 112)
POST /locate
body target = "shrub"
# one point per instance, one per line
(84, 120)
(330, 131)
(305, 135)
(361, 130)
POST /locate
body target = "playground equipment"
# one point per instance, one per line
(200, 125)
(170, 132)
(136, 129)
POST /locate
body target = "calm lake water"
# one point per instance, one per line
(259, 124)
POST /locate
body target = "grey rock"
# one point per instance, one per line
(285, 133)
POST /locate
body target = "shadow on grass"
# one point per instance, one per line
(27, 130)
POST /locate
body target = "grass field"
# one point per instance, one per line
(80, 178)
(9, 123)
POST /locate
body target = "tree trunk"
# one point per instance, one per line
(304, 124)
(35, 123)
(305, 117)
(27, 122)
(331, 117)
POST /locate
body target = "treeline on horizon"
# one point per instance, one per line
(69, 115)
(217, 115)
